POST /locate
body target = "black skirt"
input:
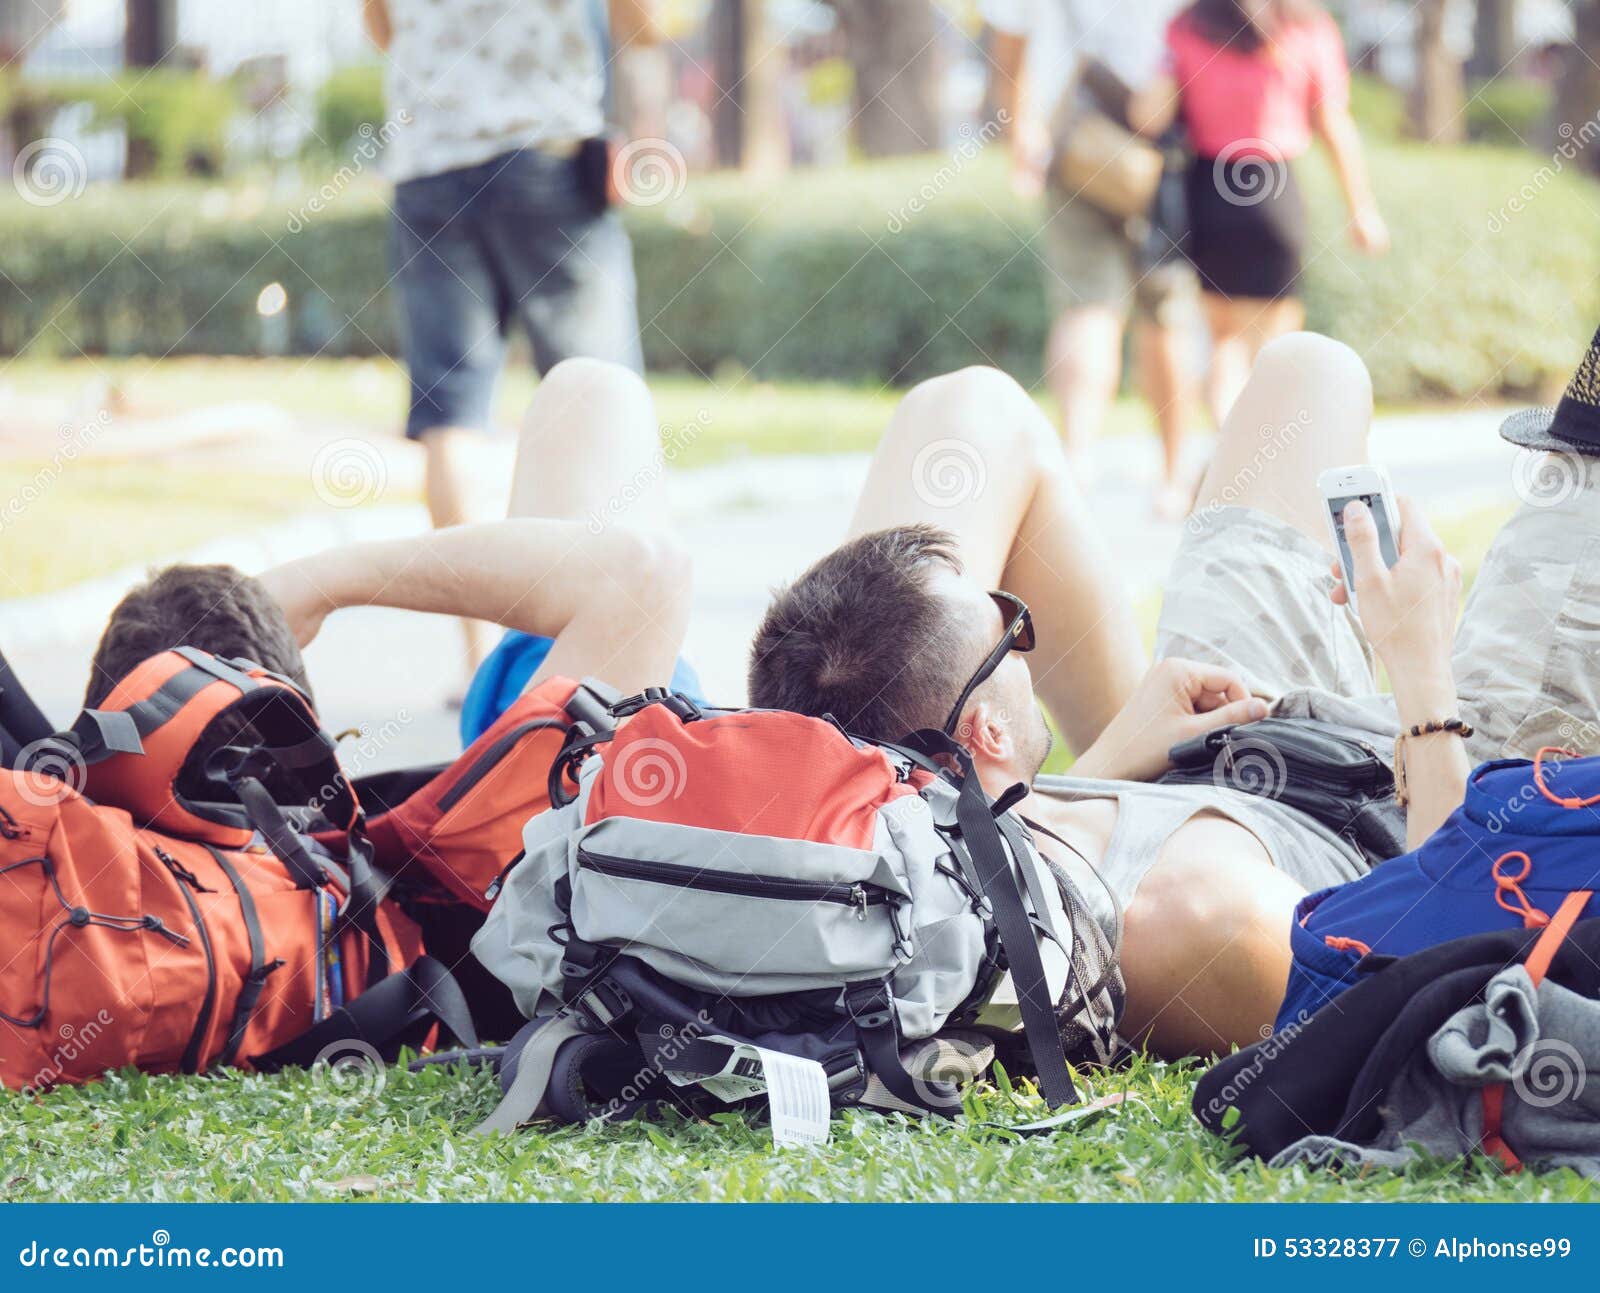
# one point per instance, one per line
(1247, 227)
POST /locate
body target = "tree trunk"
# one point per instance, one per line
(149, 35)
(1578, 85)
(1438, 94)
(766, 132)
(893, 47)
(727, 30)
(1494, 39)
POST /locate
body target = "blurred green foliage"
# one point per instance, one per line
(889, 272)
(1510, 111)
(349, 99)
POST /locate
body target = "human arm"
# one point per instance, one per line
(1154, 107)
(375, 18)
(1028, 136)
(1336, 128)
(636, 22)
(616, 601)
(1408, 612)
(1175, 701)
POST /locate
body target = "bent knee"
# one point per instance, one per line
(581, 379)
(1302, 356)
(984, 406)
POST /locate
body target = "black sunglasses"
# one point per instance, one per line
(1018, 636)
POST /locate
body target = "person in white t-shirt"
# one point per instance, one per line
(497, 152)
(1094, 275)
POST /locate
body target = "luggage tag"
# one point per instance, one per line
(797, 1090)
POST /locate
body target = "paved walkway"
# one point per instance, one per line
(750, 525)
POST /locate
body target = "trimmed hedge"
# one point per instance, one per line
(887, 273)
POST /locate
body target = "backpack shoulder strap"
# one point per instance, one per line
(998, 879)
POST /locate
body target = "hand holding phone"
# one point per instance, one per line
(1370, 486)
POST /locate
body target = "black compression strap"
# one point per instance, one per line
(871, 1006)
(981, 834)
(384, 1016)
(256, 981)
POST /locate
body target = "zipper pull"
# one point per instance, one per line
(858, 893)
(499, 882)
(182, 872)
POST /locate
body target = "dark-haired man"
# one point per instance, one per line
(899, 629)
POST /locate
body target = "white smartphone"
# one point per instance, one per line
(1370, 484)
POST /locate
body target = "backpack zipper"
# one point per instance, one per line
(485, 762)
(186, 879)
(858, 895)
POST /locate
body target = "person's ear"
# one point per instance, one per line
(984, 731)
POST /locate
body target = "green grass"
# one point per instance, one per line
(66, 521)
(404, 1136)
(733, 415)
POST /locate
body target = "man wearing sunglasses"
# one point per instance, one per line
(899, 630)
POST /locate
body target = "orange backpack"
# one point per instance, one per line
(167, 906)
(458, 827)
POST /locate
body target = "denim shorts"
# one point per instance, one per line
(513, 239)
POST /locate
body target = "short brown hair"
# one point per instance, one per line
(862, 636)
(215, 608)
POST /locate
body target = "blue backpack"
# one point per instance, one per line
(1525, 837)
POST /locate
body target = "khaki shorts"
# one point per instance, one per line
(1089, 261)
(1250, 592)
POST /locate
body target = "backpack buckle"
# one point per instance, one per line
(869, 1004)
(675, 702)
(602, 1004)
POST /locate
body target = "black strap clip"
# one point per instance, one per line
(869, 1004)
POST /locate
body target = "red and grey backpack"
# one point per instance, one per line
(738, 901)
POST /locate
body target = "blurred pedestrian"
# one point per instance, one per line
(1253, 81)
(501, 167)
(1053, 58)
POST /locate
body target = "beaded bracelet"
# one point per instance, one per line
(1456, 726)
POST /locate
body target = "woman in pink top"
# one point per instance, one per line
(1253, 82)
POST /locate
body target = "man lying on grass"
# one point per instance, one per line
(885, 632)
(969, 492)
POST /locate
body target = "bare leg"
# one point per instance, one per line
(1306, 407)
(1167, 387)
(971, 452)
(444, 451)
(1239, 330)
(1083, 363)
(589, 450)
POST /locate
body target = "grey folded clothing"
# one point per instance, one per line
(1542, 1043)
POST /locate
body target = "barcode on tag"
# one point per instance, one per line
(797, 1091)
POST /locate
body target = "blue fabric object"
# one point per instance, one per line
(504, 674)
(1446, 889)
